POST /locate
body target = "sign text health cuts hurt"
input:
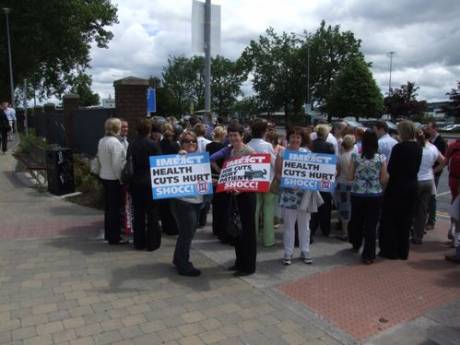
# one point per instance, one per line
(170, 175)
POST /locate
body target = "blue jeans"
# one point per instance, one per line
(186, 215)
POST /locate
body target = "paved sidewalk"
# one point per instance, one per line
(60, 286)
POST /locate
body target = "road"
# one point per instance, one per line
(443, 195)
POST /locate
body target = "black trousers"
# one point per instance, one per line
(221, 212)
(112, 212)
(186, 215)
(203, 219)
(4, 134)
(323, 216)
(146, 226)
(363, 224)
(395, 225)
(168, 222)
(246, 243)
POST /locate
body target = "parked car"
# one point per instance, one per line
(370, 123)
(451, 129)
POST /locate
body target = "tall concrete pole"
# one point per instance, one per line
(6, 10)
(207, 57)
(391, 67)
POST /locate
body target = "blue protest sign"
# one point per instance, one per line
(178, 176)
(309, 171)
(151, 100)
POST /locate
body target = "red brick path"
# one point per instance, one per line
(364, 300)
(84, 226)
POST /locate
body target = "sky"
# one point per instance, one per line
(424, 34)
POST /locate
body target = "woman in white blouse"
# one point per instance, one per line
(111, 154)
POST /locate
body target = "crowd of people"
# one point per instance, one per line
(384, 194)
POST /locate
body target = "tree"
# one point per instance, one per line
(246, 107)
(330, 50)
(279, 64)
(51, 40)
(226, 79)
(81, 85)
(184, 78)
(275, 63)
(403, 101)
(454, 104)
(355, 92)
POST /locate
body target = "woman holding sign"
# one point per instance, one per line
(246, 243)
(293, 205)
(186, 211)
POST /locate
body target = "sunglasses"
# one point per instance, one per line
(188, 141)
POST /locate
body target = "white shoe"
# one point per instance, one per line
(306, 258)
(287, 261)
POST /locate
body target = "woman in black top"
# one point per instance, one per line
(323, 217)
(141, 149)
(219, 202)
(169, 146)
(400, 194)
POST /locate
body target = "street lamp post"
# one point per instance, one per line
(7, 10)
(391, 66)
(308, 64)
(207, 58)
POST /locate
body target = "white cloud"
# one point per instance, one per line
(423, 33)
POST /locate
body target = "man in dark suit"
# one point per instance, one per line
(441, 145)
(4, 126)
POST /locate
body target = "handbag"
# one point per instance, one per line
(234, 227)
(95, 166)
(128, 170)
(275, 187)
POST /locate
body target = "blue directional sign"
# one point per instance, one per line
(151, 100)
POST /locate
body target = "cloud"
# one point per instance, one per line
(422, 33)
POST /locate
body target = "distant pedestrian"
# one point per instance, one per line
(426, 184)
(5, 127)
(386, 142)
(322, 219)
(169, 146)
(146, 236)
(437, 140)
(11, 114)
(342, 196)
(219, 203)
(265, 208)
(127, 207)
(400, 195)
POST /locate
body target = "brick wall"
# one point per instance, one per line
(131, 100)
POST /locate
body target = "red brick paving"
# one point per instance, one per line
(52, 228)
(364, 300)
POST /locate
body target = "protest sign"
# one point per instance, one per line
(178, 176)
(307, 170)
(250, 173)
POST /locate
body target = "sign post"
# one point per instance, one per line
(308, 171)
(250, 173)
(151, 100)
(179, 176)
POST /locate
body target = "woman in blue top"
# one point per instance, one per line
(368, 174)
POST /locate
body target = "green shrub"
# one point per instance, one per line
(29, 141)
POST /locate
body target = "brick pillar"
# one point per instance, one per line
(49, 107)
(131, 100)
(70, 105)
